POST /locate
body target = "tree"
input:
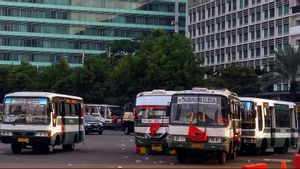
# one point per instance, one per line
(241, 80)
(287, 65)
(23, 77)
(170, 62)
(121, 48)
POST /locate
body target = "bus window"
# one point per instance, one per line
(268, 118)
(102, 112)
(259, 115)
(282, 115)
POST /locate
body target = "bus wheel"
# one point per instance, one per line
(126, 130)
(181, 156)
(48, 149)
(264, 147)
(16, 148)
(222, 157)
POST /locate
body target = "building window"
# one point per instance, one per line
(257, 34)
(252, 53)
(240, 38)
(233, 22)
(286, 9)
(253, 2)
(279, 11)
(286, 28)
(222, 57)
(223, 8)
(257, 52)
(212, 43)
(223, 41)
(279, 29)
(223, 25)
(252, 18)
(266, 14)
(272, 13)
(234, 4)
(234, 39)
(241, 20)
(240, 55)
(213, 11)
(245, 37)
(233, 56)
(229, 40)
(272, 31)
(246, 3)
(228, 57)
(241, 4)
(246, 19)
(245, 54)
(265, 51)
(265, 32)
(229, 24)
(258, 16)
(271, 50)
(252, 35)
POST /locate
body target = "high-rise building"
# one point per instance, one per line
(243, 32)
(45, 31)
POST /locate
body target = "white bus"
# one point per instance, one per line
(205, 123)
(268, 123)
(42, 120)
(109, 115)
(152, 121)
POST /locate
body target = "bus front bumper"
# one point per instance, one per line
(148, 142)
(26, 140)
(204, 146)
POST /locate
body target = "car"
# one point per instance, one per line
(93, 125)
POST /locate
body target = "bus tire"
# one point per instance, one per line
(48, 149)
(16, 148)
(222, 157)
(126, 130)
(181, 156)
(100, 132)
(264, 146)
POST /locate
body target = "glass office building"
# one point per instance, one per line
(43, 32)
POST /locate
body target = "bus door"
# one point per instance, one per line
(272, 125)
(80, 121)
(294, 126)
(63, 120)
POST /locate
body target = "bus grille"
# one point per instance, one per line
(23, 133)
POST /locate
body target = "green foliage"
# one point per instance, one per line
(287, 65)
(160, 61)
(241, 80)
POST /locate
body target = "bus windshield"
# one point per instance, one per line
(200, 110)
(248, 115)
(26, 111)
(150, 114)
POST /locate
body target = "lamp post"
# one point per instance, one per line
(176, 16)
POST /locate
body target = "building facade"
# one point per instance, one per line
(43, 32)
(243, 32)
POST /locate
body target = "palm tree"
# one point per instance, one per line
(287, 65)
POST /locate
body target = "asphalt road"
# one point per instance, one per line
(113, 149)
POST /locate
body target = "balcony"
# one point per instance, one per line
(296, 9)
(295, 30)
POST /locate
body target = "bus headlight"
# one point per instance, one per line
(42, 134)
(215, 140)
(6, 133)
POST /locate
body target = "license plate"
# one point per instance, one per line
(23, 140)
(197, 145)
(156, 148)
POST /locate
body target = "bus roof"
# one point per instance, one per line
(41, 94)
(214, 91)
(100, 105)
(156, 92)
(254, 99)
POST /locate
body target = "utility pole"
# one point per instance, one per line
(177, 16)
